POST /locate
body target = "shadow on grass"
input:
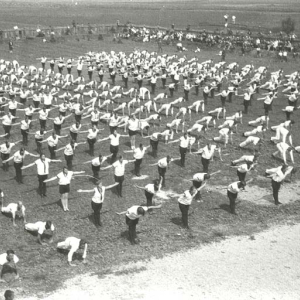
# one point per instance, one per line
(76, 256)
(176, 221)
(225, 207)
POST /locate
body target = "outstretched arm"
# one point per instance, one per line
(50, 179)
(111, 186)
(28, 166)
(155, 207)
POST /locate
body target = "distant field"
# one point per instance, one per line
(252, 13)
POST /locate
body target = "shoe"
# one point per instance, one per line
(45, 195)
(278, 203)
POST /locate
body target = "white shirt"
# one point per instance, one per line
(184, 142)
(6, 120)
(74, 128)
(69, 150)
(132, 212)
(162, 163)
(18, 158)
(38, 135)
(29, 111)
(64, 179)
(150, 188)
(6, 150)
(43, 115)
(3, 259)
(43, 166)
(233, 187)
(120, 167)
(243, 168)
(114, 140)
(40, 227)
(253, 139)
(52, 142)
(12, 105)
(92, 134)
(73, 244)
(207, 154)
(13, 209)
(96, 161)
(25, 124)
(278, 176)
(199, 177)
(138, 153)
(98, 197)
(133, 125)
(186, 198)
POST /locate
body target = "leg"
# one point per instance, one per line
(97, 208)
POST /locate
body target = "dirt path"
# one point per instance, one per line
(266, 266)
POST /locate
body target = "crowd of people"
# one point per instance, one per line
(139, 93)
(228, 38)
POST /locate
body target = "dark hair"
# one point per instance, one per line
(8, 294)
(82, 242)
(48, 224)
(10, 252)
(140, 211)
(206, 176)
(242, 184)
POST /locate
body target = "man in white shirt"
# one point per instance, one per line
(132, 218)
(150, 190)
(138, 155)
(114, 144)
(5, 150)
(162, 166)
(40, 228)
(42, 165)
(73, 244)
(64, 180)
(18, 159)
(255, 140)
(119, 171)
(98, 199)
(13, 209)
(8, 262)
(96, 164)
(278, 175)
(283, 148)
(52, 141)
(232, 193)
(226, 134)
(184, 143)
(185, 200)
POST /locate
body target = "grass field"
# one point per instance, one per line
(43, 269)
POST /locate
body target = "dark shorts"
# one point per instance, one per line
(64, 189)
(96, 168)
(132, 132)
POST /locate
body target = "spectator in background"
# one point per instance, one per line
(10, 46)
(233, 19)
